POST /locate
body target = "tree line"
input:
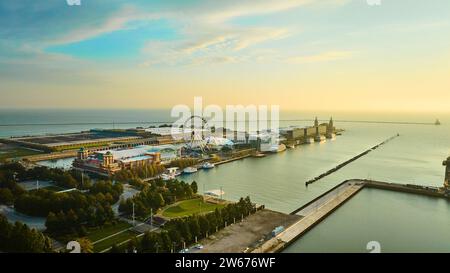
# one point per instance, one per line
(183, 162)
(20, 238)
(70, 213)
(11, 173)
(143, 172)
(41, 202)
(181, 232)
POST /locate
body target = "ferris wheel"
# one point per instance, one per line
(195, 128)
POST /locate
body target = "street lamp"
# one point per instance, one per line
(134, 224)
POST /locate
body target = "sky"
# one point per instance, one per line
(304, 55)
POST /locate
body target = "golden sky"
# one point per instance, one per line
(301, 55)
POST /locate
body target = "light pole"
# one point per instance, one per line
(82, 179)
(134, 223)
(151, 217)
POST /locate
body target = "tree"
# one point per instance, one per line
(86, 245)
(185, 231)
(6, 196)
(194, 226)
(159, 200)
(51, 223)
(194, 187)
(174, 235)
(204, 225)
(188, 191)
(166, 241)
(20, 238)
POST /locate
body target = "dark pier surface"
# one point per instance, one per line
(349, 161)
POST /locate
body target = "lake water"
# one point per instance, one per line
(400, 222)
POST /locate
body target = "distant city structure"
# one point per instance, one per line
(330, 129)
(316, 133)
(318, 136)
(101, 139)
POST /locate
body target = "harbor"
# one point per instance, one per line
(318, 209)
(297, 164)
(311, 214)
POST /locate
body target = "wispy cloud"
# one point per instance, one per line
(211, 48)
(321, 57)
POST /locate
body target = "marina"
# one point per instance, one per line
(318, 209)
(311, 214)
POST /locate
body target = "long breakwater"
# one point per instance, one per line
(338, 167)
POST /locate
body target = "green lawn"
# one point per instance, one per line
(16, 152)
(120, 238)
(100, 233)
(189, 207)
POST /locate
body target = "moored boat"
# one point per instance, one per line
(208, 165)
(167, 177)
(189, 170)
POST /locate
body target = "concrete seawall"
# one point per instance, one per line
(313, 213)
(319, 208)
(406, 188)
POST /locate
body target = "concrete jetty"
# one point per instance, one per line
(349, 161)
(312, 213)
(318, 209)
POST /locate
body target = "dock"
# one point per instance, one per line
(312, 213)
(319, 208)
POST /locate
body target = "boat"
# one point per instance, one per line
(167, 177)
(437, 122)
(320, 138)
(281, 148)
(173, 172)
(189, 170)
(272, 148)
(208, 165)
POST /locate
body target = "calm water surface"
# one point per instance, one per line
(400, 222)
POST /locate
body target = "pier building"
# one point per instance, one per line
(330, 129)
(318, 136)
(317, 132)
(108, 162)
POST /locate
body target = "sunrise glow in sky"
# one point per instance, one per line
(300, 54)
